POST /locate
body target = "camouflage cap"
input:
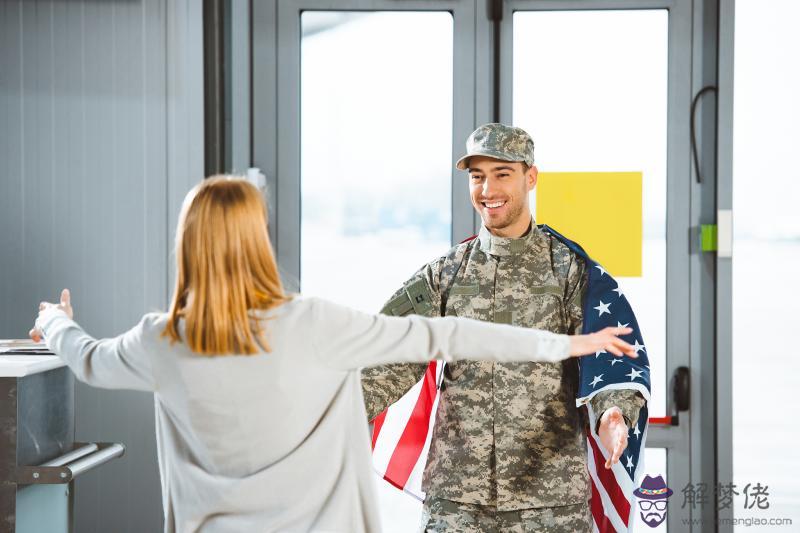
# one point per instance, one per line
(499, 141)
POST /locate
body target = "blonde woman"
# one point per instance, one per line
(259, 416)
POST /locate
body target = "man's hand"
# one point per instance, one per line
(613, 434)
(64, 305)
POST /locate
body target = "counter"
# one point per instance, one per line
(39, 457)
(18, 366)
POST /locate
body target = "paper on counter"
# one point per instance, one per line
(23, 347)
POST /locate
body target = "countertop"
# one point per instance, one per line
(17, 366)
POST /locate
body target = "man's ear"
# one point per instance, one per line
(532, 177)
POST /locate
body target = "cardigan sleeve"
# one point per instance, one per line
(116, 363)
(348, 339)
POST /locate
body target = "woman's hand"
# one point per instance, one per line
(605, 340)
(64, 305)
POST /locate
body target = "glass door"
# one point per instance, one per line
(376, 135)
(592, 86)
(361, 108)
(367, 136)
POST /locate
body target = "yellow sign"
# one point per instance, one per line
(601, 211)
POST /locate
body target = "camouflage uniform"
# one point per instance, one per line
(508, 436)
(446, 515)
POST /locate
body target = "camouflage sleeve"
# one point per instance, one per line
(384, 385)
(629, 402)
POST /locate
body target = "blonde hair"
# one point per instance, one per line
(225, 269)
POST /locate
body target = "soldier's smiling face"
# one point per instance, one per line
(499, 192)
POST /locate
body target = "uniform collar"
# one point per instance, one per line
(504, 246)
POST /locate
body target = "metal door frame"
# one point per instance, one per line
(724, 273)
(482, 93)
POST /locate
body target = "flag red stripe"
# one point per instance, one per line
(603, 523)
(411, 442)
(606, 477)
(392, 483)
(377, 424)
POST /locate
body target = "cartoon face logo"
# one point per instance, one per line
(653, 496)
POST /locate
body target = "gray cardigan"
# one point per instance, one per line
(277, 441)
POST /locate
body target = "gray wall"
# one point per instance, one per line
(101, 135)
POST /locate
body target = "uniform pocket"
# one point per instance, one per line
(472, 289)
(555, 290)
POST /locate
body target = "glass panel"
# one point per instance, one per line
(655, 464)
(591, 88)
(766, 252)
(376, 144)
(376, 167)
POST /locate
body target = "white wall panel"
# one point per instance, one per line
(101, 135)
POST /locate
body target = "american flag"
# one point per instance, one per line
(401, 434)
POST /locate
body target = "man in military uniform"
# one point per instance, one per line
(508, 452)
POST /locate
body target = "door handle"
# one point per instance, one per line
(681, 396)
(681, 388)
(64, 469)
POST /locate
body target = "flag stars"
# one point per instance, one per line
(615, 360)
(636, 431)
(629, 466)
(596, 380)
(601, 269)
(603, 308)
(618, 291)
(637, 346)
(598, 354)
(634, 374)
(621, 325)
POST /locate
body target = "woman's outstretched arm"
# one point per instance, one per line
(117, 363)
(348, 339)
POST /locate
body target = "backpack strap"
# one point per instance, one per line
(450, 269)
